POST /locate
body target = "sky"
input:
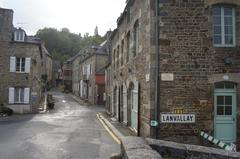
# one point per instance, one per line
(79, 16)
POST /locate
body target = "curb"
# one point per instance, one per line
(117, 136)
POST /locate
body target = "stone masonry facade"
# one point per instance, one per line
(193, 70)
(21, 84)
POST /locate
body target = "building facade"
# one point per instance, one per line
(177, 63)
(67, 75)
(76, 76)
(92, 78)
(22, 67)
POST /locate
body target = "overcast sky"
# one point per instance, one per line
(80, 16)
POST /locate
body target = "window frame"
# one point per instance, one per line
(18, 89)
(21, 66)
(19, 36)
(223, 40)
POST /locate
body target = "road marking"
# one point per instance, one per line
(108, 130)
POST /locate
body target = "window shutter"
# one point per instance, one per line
(135, 96)
(28, 65)
(11, 95)
(125, 104)
(26, 95)
(117, 104)
(12, 64)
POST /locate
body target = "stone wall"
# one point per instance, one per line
(137, 68)
(187, 51)
(31, 80)
(178, 151)
(134, 147)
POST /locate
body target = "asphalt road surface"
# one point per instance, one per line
(71, 131)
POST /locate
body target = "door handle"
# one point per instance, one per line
(233, 119)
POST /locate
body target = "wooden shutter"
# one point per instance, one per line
(26, 95)
(12, 64)
(134, 114)
(135, 96)
(28, 65)
(125, 104)
(11, 95)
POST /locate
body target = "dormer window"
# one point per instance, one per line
(19, 35)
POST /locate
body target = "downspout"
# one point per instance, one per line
(157, 80)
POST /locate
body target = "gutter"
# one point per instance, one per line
(157, 78)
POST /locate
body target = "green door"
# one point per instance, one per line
(225, 115)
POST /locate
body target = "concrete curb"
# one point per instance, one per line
(117, 133)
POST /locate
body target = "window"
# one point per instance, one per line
(224, 26)
(20, 64)
(19, 35)
(117, 57)
(19, 95)
(122, 52)
(136, 38)
(128, 47)
(224, 85)
(114, 62)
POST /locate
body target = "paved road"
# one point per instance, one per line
(71, 131)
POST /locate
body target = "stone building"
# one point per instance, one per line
(89, 73)
(22, 66)
(76, 75)
(176, 63)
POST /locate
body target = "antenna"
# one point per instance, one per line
(21, 24)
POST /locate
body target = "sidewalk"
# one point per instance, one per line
(119, 129)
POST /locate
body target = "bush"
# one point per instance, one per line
(6, 110)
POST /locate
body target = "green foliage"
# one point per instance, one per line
(63, 44)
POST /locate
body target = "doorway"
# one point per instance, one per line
(225, 104)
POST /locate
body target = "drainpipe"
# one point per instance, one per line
(157, 80)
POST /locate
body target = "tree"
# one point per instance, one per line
(63, 44)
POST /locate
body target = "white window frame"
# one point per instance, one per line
(19, 36)
(19, 95)
(223, 29)
(21, 60)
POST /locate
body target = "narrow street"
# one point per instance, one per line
(71, 131)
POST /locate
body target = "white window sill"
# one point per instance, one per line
(226, 46)
(19, 40)
(21, 72)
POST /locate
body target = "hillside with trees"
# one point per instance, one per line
(62, 44)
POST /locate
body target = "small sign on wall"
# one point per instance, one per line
(178, 118)
(147, 77)
(34, 98)
(167, 77)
